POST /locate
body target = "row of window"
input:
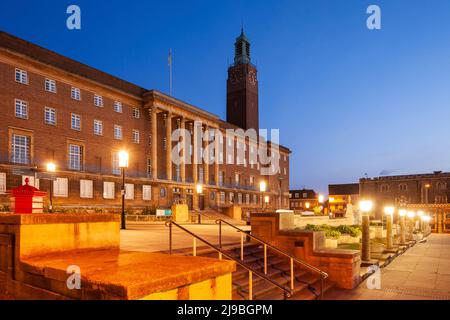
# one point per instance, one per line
(50, 117)
(404, 187)
(21, 76)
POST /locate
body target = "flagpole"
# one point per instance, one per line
(170, 72)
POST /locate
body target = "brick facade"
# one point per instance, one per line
(150, 162)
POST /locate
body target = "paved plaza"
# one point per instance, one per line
(421, 273)
(154, 237)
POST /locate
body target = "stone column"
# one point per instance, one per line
(402, 230)
(216, 155)
(389, 231)
(154, 143)
(365, 249)
(206, 163)
(169, 146)
(182, 152)
(195, 153)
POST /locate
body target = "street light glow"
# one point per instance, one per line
(321, 198)
(365, 205)
(420, 213)
(262, 186)
(51, 167)
(389, 210)
(402, 212)
(123, 159)
(199, 188)
(411, 214)
(266, 199)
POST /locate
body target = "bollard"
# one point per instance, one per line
(365, 254)
(402, 230)
(389, 231)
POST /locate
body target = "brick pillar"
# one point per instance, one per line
(195, 150)
(169, 146)
(154, 143)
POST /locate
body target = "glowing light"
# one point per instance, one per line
(389, 210)
(402, 212)
(199, 188)
(321, 198)
(266, 199)
(365, 205)
(51, 167)
(262, 186)
(411, 214)
(307, 205)
(123, 159)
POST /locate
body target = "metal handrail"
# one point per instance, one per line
(323, 275)
(287, 292)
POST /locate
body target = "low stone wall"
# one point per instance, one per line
(342, 266)
(37, 249)
(291, 221)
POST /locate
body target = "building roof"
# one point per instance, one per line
(435, 174)
(343, 189)
(310, 194)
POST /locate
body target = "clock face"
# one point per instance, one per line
(252, 77)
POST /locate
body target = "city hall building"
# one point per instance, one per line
(57, 110)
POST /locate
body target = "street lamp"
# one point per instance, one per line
(266, 200)
(402, 214)
(389, 212)
(199, 189)
(262, 188)
(321, 198)
(51, 167)
(123, 164)
(411, 215)
(365, 206)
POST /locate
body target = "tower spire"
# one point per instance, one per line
(242, 49)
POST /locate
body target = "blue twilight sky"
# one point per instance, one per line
(348, 100)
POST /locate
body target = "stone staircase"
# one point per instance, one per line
(306, 283)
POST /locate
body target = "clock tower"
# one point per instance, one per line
(242, 88)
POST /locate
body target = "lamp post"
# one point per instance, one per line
(262, 189)
(266, 200)
(51, 167)
(365, 206)
(419, 224)
(402, 214)
(411, 215)
(199, 189)
(280, 204)
(123, 164)
(389, 212)
(426, 223)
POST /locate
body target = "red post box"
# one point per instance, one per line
(27, 199)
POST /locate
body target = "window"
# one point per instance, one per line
(237, 178)
(284, 171)
(86, 189)
(60, 187)
(117, 132)
(146, 192)
(21, 109)
(136, 137)
(305, 195)
(200, 175)
(50, 116)
(75, 122)
(252, 181)
(108, 190)
(149, 167)
(441, 186)
(21, 76)
(98, 100)
(50, 85)
(222, 197)
(115, 163)
(31, 181)
(231, 196)
(239, 198)
(118, 106)
(98, 127)
(136, 113)
(403, 187)
(2, 182)
(247, 198)
(221, 174)
(75, 94)
(384, 188)
(20, 149)
(129, 191)
(162, 192)
(75, 157)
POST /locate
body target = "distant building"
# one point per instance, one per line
(304, 199)
(340, 195)
(429, 192)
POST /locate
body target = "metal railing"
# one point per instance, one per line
(323, 275)
(286, 291)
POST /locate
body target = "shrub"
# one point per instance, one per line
(350, 230)
(149, 210)
(333, 234)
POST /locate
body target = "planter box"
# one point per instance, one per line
(345, 238)
(331, 243)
